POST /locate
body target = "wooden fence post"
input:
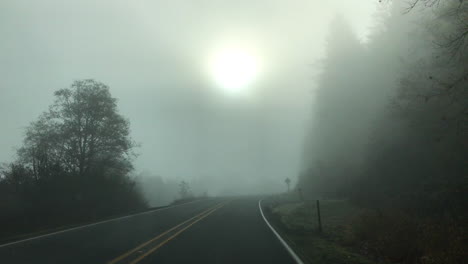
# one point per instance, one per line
(318, 216)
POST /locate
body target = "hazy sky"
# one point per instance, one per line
(155, 56)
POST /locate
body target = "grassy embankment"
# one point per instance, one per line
(358, 235)
(297, 221)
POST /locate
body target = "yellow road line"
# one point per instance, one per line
(173, 236)
(128, 253)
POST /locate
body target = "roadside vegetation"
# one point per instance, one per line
(297, 222)
(186, 194)
(353, 234)
(74, 166)
(388, 135)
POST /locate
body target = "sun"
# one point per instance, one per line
(234, 69)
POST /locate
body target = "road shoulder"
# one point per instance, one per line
(296, 222)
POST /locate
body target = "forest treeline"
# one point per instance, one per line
(74, 165)
(388, 129)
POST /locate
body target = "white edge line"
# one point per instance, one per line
(289, 249)
(93, 224)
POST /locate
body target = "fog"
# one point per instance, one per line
(154, 57)
(388, 120)
(130, 123)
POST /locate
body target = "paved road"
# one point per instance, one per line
(207, 231)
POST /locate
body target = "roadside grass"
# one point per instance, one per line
(361, 235)
(297, 221)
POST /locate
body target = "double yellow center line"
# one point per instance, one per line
(134, 256)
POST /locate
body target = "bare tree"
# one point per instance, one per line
(456, 13)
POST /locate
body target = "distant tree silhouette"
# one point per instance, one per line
(288, 182)
(184, 189)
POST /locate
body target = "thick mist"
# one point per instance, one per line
(388, 123)
(153, 55)
(143, 131)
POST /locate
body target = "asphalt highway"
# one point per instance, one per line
(218, 230)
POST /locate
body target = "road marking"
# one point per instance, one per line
(176, 234)
(93, 224)
(128, 253)
(290, 251)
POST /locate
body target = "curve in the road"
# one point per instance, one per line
(288, 248)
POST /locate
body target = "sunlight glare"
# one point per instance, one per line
(234, 69)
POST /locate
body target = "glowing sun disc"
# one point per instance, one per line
(234, 69)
